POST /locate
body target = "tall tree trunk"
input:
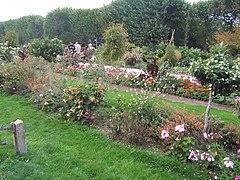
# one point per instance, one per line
(208, 112)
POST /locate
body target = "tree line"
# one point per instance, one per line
(147, 22)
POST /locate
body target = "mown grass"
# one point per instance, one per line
(224, 115)
(62, 150)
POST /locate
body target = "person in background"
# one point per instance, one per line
(77, 48)
(91, 52)
(71, 48)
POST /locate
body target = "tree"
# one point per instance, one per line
(202, 25)
(115, 43)
(231, 38)
(226, 11)
(175, 18)
(57, 24)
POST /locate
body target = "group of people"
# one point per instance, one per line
(76, 50)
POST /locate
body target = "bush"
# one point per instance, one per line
(12, 38)
(7, 52)
(132, 56)
(230, 38)
(191, 55)
(171, 55)
(46, 48)
(224, 75)
(115, 43)
(31, 74)
(134, 125)
(80, 102)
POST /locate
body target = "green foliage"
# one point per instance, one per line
(180, 148)
(170, 56)
(27, 28)
(115, 43)
(80, 102)
(190, 55)
(132, 56)
(46, 48)
(57, 24)
(175, 15)
(12, 38)
(144, 20)
(7, 53)
(218, 71)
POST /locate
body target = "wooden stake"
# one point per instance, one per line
(19, 136)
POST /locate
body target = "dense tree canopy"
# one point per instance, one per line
(147, 22)
(27, 28)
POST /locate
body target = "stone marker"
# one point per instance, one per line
(19, 136)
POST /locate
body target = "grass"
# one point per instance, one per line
(62, 150)
(224, 115)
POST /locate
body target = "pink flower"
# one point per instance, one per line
(228, 163)
(180, 128)
(164, 134)
(237, 177)
(194, 155)
(238, 151)
(86, 112)
(236, 99)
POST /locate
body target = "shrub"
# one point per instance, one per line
(30, 74)
(80, 102)
(191, 89)
(46, 48)
(191, 55)
(115, 43)
(12, 38)
(134, 124)
(50, 99)
(230, 38)
(224, 75)
(171, 55)
(132, 56)
(7, 52)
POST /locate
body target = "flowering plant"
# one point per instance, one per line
(80, 101)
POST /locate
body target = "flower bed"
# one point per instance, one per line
(177, 84)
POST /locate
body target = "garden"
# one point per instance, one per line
(110, 117)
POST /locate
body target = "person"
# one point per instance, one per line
(77, 48)
(91, 52)
(71, 48)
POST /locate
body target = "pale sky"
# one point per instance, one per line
(13, 9)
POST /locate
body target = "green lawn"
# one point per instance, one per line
(63, 150)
